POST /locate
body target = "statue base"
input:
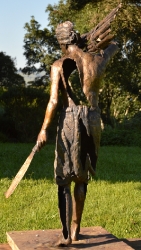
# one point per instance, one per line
(94, 238)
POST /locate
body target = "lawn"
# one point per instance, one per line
(113, 199)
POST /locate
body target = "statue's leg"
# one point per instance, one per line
(65, 209)
(80, 191)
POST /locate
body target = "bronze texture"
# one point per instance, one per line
(79, 130)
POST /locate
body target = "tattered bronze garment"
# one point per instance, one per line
(77, 143)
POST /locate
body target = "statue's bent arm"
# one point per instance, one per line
(52, 104)
(53, 101)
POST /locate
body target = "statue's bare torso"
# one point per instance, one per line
(90, 67)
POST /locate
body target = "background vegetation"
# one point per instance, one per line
(22, 107)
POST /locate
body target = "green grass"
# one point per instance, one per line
(113, 199)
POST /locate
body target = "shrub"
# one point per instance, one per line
(120, 137)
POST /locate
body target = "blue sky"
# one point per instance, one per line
(13, 16)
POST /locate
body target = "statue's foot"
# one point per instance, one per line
(62, 242)
(75, 232)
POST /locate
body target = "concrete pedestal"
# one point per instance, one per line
(93, 238)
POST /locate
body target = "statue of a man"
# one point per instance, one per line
(79, 129)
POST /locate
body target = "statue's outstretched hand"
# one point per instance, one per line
(41, 139)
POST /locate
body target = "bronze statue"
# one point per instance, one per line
(79, 129)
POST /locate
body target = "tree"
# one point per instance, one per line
(123, 76)
(39, 46)
(8, 72)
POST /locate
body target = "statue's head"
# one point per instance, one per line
(66, 34)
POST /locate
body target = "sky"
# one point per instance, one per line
(13, 16)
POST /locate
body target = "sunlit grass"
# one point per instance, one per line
(113, 198)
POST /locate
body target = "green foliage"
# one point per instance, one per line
(127, 133)
(76, 88)
(24, 112)
(8, 75)
(113, 197)
(39, 45)
(3, 136)
(117, 104)
(120, 137)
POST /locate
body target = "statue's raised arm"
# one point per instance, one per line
(100, 36)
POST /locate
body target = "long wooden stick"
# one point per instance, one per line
(21, 173)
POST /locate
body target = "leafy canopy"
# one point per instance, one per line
(123, 76)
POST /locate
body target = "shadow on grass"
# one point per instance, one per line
(115, 164)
